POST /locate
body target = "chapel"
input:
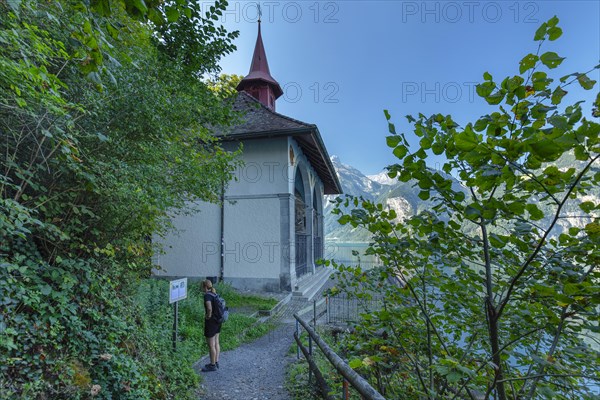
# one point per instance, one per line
(268, 231)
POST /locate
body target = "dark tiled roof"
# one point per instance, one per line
(257, 118)
(258, 121)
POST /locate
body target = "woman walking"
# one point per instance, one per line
(211, 327)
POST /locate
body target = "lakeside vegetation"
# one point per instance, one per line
(499, 294)
(491, 292)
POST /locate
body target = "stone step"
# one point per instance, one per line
(311, 285)
(278, 307)
(306, 281)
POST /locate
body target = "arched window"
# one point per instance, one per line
(300, 206)
(315, 213)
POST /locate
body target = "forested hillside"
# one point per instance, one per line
(102, 119)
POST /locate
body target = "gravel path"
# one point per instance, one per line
(256, 371)
(253, 371)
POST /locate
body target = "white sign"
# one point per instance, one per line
(178, 290)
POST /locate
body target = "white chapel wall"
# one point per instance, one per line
(264, 170)
(193, 249)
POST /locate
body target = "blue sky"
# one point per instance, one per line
(341, 63)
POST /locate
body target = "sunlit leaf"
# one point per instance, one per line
(528, 62)
(585, 82)
(551, 59)
(392, 141)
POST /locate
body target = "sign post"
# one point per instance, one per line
(177, 291)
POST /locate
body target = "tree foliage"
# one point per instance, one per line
(225, 85)
(103, 132)
(493, 292)
(194, 42)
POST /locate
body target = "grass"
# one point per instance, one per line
(171, 370)
(239, 328)
(236, 299)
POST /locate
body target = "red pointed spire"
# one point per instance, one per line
(259, 83)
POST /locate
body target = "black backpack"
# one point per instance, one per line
(220, 312)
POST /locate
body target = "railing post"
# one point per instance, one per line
(297, 334)
(310, 352)
(327, 309)
(346, 393)
(348, 308)
(175, 323)
(310, 347)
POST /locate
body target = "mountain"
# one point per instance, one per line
(403, 198)
(355, 182)
(400, 196)
(382, 178)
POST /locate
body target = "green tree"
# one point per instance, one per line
(224, 85)
(103, 134)
(191, 38)
(498, 294)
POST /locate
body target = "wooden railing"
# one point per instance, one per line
(350, 376)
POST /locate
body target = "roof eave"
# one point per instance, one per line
(331, 182)
(325, 156)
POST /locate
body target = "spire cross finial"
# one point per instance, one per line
(259, 12)
(259, 83)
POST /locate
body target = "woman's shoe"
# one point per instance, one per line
(209, 368)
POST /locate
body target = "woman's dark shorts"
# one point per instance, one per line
(211, 328)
